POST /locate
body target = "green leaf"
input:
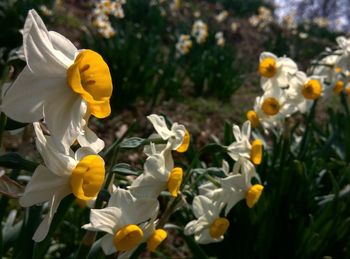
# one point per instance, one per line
(126, 169)
(16, 161)
(10, 187)
(131, 143)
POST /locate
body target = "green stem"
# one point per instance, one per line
(345, 104)
(307, 128)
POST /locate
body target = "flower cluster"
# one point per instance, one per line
(227, 191)
(286, 91)
(101, 13)
(184, 44)
(59, 89)
(64, 87)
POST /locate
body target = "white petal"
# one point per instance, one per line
(264, 55)
(160, 126)
(83, 152)
(179, 133)
(44, 226)
(155, 165)
(42, 58)
(147, 186)
(24, 100)
(201, 205)
(233, 199)
(107, 244)
(189, 228)
(104, 219)
(237, 132)
(61, 43)
(246, 130)
(58, 162)
(64, 116)
(143, 209)
(135, 210)
(90, 139)
(42, 187)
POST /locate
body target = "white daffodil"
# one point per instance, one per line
(237, 186)
(177, 136)
(344, 44)
(125, 221)
(209, 226)
(275, 72)
(61, 84)
(271, 108)
(81, 173)
(151, 235)
(184, 44)
(303, 90)
(159, 174)
(200, 31)
(242, 146)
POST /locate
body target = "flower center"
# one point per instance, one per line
(89, 76)
(156, 239)
(252, 116)
(256, 152)
(267, 67)
(312, 89)
(219, 227)
(128, 237)
(270, 106)
(338, 87)
(253, 194)
(87, 177)
(185, 143)
(175, 180)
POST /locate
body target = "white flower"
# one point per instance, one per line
(237, 186)
(221, 16)
(275, 72)
(61, 84)
(125, 221)
(184, 44)
(242, 146)
(272, 108)
(200, 31)
(220, 40)
(159, 174)
(303, 90)
(344, 44)
(177, 136)
(81, 173)
(209, 226)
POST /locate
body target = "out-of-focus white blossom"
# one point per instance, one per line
(220, 40)
(184, 44)
(200, 31)
(222, 16)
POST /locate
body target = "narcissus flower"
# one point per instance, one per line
(159, 175)
(209, 226)
(184, 44)
(125, 220)
(61, 84)
(273, 107)
(81, 173)
(200, 31)
(237, 186)
(275, 72)
(242, 147)
(177, 136)
(304, 90)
